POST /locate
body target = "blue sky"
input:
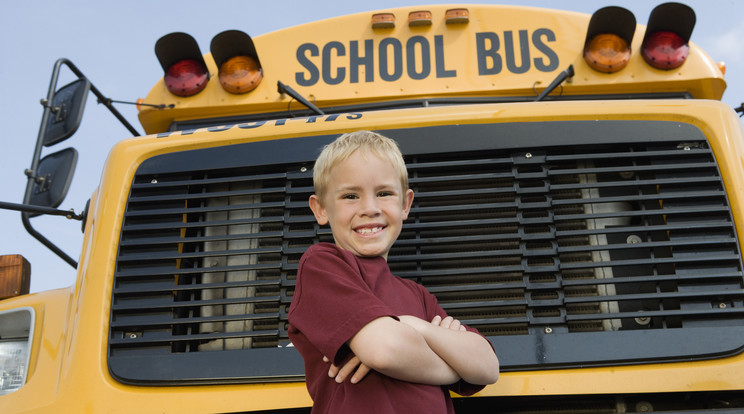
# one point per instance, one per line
(113, 42)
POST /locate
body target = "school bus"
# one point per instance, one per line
(579, 188)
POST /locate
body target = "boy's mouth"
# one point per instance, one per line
(369, 229)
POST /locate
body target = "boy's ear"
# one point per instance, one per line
(407, 202)
(318, 210)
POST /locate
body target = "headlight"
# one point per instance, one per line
(16, 334)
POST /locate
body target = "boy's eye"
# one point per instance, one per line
(349, 196)
(384, 194)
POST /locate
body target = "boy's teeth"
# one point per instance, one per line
(369, 230)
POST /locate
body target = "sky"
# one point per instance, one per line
(112, 43)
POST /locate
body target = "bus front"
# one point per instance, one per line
(577, 181)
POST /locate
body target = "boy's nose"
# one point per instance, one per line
(369, 207)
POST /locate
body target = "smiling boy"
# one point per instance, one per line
(371, 341)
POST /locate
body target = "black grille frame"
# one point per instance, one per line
(566, 243)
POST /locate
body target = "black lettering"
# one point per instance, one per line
(311, 119)
(219, 128)
(524, 51)
(487, 44)
(439, 59)
(549, 53)
(312, 71)
(384, 46)
(355, 61)
(280, 122)
(354, 115)
(249, 125)
(328, 78)
(411, 57)
(163, 134)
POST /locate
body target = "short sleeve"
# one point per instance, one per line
(333, 301)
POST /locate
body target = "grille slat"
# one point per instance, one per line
(566, 240)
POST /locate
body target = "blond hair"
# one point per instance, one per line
(345, 145)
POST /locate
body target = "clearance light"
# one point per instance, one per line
(383, 21)
(186, 77)
(608, 39)
(182, 62)
(235, 54)
(457, 16)
(665, 45)
(607, 53)
(722, 67)
(240, 74)
(419, 18)
(665, 50)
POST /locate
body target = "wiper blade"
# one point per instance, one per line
(282, 88)
(568, 73)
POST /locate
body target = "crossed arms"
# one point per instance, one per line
(439, 352)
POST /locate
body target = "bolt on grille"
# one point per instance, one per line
(566, 244)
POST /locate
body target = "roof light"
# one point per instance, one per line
(665, 44)
(607, 53)
(383, 21)
(608, 39)
(186, 77)
(237, 59)
(182, 62)
(665, 50)
(457, 16)
(240, 74)
(419, 18)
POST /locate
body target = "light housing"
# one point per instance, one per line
(186, 77)
(383, 21)
(457, 16)
(666, 41)
(608, 39)
(16, 335)
(419, 18)
(235, 54)
(185, 72)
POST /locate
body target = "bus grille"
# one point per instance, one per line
(556, 254)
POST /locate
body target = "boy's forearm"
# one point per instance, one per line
(400, 351)
(468, 353)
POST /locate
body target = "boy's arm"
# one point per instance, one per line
(398, 350)
(468, 353)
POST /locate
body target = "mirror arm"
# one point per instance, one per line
(46, 242)
(49, 211)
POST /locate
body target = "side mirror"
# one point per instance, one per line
(66, 111)
(53, 178)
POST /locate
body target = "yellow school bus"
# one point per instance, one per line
(579, 190)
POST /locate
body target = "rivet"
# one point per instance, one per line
(154, 181)
(633, 239)
(303, 169)
(548, 330)
(528, 155)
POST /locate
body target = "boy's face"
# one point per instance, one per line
(364, 204)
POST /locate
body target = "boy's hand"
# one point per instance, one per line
(448, 322)
(352, 365)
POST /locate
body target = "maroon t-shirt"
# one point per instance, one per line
(337, 294)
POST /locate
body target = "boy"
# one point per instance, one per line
(388, 336)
